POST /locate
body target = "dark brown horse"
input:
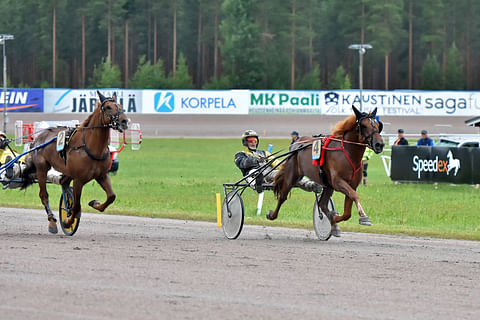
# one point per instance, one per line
(341, 170)
(87, 157)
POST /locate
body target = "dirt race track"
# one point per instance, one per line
(119, 267)
(267, 125)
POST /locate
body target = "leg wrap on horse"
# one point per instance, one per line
(309, 185)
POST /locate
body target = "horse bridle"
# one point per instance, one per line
(114, 118)
(369, 138)
(114, 123)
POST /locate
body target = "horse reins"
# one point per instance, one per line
(369, 143)
(114, 121)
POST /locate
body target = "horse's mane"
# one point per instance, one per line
(87, 121)
(345, 125)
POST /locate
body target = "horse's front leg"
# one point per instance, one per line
(43, 194)
(106, 185)
(77, 207)
(351, 196)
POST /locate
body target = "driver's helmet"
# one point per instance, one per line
(249, 134)
(2, 134)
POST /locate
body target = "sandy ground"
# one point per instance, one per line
(278, 126)
(119, 267)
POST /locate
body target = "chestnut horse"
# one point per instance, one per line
(87, 157)
(341, 170)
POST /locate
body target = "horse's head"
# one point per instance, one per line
(113, 112)
(369, 129)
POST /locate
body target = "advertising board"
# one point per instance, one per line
(435, 164)
(195, 101)
(22, 100)
(84, 100)
(391, 103)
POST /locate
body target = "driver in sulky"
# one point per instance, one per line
(6, 155)
(251, 159)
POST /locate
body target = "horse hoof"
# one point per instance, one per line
(94, 203)
(65, 224)
(52, 228)
(364, 221)
(332, 214)
(269, 215)
(336, 231)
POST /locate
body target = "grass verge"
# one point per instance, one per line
(178, 178)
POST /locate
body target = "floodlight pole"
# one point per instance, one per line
(362, 49)
(3, 39)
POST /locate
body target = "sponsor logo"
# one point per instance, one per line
(453, 164)
(436, 165)
(85, 101)
(22, 100)
(164, 102)
(285, 99)
(331, 98)
(207, 103)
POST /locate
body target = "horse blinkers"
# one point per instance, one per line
(115, 121)
(377, 146)
(380, 126)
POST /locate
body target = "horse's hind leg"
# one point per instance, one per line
(77, 207)
(324, 200)
(43, 194)
(106, 185)
(286, 180)
(272, 215)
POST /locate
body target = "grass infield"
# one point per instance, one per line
(178, 178)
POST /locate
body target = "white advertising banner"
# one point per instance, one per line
(84, 100)
(196, 101)
(393, 103)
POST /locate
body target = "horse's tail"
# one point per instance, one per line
(281, 177)
(28, 174)
(278, 181)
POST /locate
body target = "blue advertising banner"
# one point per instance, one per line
(22, 100)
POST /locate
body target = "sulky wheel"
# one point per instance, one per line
(66, 209)
(232, 215)
(321, 223)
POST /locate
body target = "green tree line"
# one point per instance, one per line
(216, 44)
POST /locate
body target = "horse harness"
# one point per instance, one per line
(114, 118)
(114, 121)
(325, 142)
(369, 139)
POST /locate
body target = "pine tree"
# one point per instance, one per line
(340, 80)
(240, 48)
(454, 76)
(149, 76)
(182, 79)
(432, 74)
(106, 75)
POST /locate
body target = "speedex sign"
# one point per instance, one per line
(435, 164)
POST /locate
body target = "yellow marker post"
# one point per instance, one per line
(219, 210)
